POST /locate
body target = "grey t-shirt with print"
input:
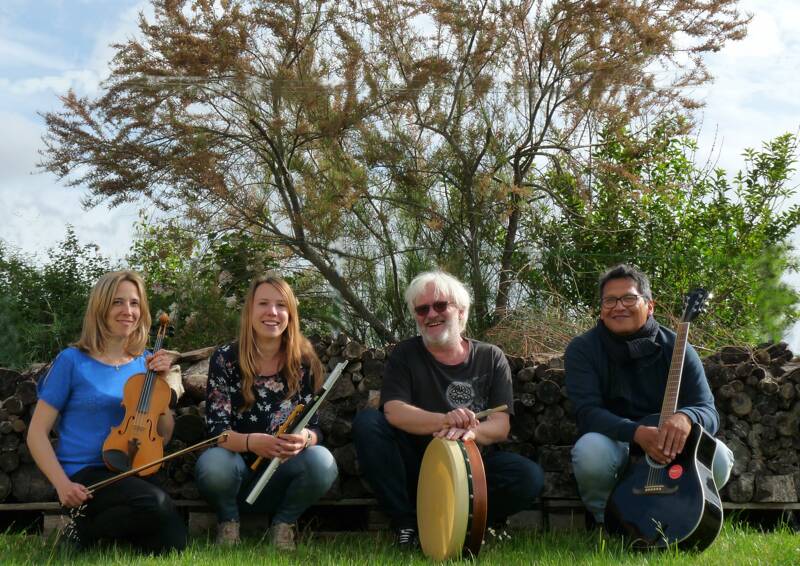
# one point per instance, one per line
(413, 375)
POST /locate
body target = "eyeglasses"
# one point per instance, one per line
(626, 300)
(438, 306)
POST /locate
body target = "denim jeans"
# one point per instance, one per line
(597, 462)
(225, 481)
(390, 460)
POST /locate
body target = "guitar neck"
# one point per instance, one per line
(670, 403)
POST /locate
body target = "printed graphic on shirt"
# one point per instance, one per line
(459, 394)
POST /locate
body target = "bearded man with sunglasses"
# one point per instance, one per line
(616, 374)
(433, 384)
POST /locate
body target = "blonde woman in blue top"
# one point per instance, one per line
(81, 396)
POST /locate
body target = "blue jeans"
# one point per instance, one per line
(224, 480)
(598, 461)
(390, 459)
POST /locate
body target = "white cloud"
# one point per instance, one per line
(38, 211)
(753, 97)
(83, 81)
(763, 39)
(124, 28)
(21, 55)
(38, 206)
(18, 147)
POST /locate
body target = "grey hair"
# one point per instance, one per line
(445, 287)
(626, 271)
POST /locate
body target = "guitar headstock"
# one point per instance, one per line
(694, 303)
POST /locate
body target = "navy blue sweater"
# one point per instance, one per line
(610, 398)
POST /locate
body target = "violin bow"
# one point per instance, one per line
(101, 484)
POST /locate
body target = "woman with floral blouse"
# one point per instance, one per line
(253, 386)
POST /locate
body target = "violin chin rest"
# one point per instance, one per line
(117, 460)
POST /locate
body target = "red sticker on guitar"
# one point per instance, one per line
(675, 471)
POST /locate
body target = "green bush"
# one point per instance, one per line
(649, 205)
(41, 307)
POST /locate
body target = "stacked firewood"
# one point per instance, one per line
(20, 479)
(757, 393)
(543, 426)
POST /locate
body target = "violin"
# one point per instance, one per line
(135, 443)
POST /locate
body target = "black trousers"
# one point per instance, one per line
(135, 510)
(390, 460)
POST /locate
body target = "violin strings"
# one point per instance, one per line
(147, 388)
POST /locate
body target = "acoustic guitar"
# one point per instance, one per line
(675, 504)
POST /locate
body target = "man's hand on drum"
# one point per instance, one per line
(460, 418)
(456, 434)
(459, 424)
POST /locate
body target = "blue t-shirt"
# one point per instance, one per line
(88, 395)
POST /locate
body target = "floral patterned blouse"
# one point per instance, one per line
(271, 408)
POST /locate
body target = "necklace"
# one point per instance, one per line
(117, 363)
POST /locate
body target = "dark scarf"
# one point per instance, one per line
(626, 349)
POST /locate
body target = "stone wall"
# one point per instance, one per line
(756, 390)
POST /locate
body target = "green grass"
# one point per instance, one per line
(737, 544)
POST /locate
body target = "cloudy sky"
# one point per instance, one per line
(48, 46)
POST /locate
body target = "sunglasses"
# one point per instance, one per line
(438, 306)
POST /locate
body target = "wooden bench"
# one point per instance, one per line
(552, 513)
(200, 517)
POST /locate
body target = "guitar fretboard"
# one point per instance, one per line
(670, 403)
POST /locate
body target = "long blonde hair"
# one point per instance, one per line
(295, 348)
(95, 332)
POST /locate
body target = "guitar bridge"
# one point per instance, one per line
(657, 489)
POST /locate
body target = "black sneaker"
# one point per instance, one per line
(407, 539)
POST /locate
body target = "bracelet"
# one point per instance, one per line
(247, 442)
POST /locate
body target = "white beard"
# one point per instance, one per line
(448, 335)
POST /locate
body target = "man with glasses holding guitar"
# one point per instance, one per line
(433, 385)
(619, 373)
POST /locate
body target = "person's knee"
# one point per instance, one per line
(530, 479)
(153, 502)
(163, 505)
(514, 475)
(593, 456)
(215, 471)
(321, 469)
(367, 424)
(722, 464)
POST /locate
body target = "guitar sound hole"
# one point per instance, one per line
(653, 464)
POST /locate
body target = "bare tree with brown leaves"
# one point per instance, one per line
(514, 89)
(370, 138)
